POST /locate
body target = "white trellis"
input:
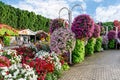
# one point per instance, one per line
(70, 22)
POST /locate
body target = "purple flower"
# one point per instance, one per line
(96, 31)
(57, 23)
(62, 40)
(111, 34)
(83, 26)
(104, 40)
(119, 34)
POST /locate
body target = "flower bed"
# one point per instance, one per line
(24, 64)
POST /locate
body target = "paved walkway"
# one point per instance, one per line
(100, 66)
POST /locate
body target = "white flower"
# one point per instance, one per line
(9, 75)
(4, 73)
(9, 79)
(18, 69)
(16, 73)
(21, 79)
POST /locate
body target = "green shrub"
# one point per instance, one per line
(111, 44)
(89, 48)
(98, 44)
(53, 76)
(79, 52)
(6, 40)
(65, 66)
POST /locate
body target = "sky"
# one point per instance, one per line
(99, 10)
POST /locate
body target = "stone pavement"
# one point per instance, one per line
(100, 66)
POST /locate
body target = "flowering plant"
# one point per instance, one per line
(119, 34)
(111, 34)
(105, 40)
(18, 72)
(44, 63)
(57, 23)
(52, 56)
(42, 46)
(101, 28)
(42, 35)
(96, 31)
(11, 55)
(26, 53)
(83, 26)
(62, 40)
(55, 61)
(4, 61)
(116, 23)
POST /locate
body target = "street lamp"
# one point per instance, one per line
(70, 22)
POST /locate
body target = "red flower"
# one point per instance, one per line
(4, 61)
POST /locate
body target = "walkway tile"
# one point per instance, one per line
(100, 66)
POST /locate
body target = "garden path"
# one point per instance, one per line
(100, 66)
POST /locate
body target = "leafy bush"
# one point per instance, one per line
(79, 52)
(6, 40)
(98, 44)
(65, 66)
(111, 44)
(89, 48)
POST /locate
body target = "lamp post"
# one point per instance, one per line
(70, 22)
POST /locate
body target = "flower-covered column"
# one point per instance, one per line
(83, 27)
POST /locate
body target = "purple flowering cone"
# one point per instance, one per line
(62, 40)
(111, 34)
(97, 31)
(83, 26)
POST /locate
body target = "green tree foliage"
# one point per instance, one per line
(22, 19)
(110, 25)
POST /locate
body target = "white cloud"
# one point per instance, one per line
(48, 8)
(109, 13)
(75, 0)
(98, 0)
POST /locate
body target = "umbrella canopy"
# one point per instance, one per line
(26, 32)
